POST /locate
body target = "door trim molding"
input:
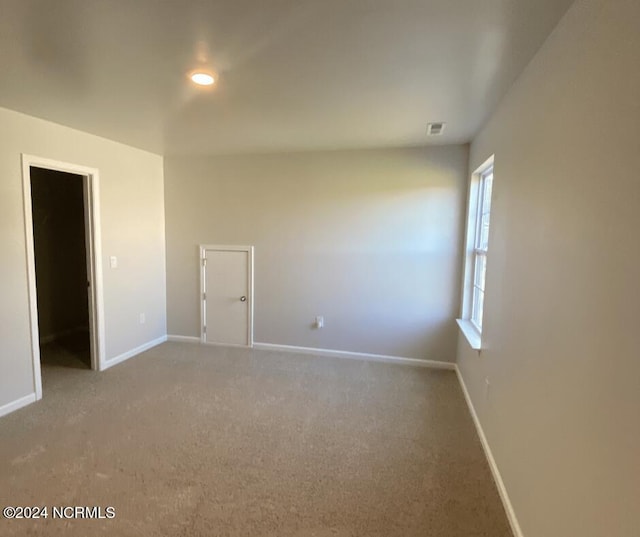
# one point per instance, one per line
(227, 248)
(93, 233)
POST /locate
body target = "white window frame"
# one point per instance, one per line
(474, 287)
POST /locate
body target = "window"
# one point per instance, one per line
(480, 247)
(477, 247)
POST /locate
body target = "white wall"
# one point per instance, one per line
(131, 193)
(563, 294)
(368, 239)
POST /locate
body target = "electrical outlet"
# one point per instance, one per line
(319, 321)
(113, 262)
(487, 385)
(143, 318)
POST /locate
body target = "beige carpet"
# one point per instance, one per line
(187, 440)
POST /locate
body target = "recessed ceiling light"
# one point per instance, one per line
(202, 79)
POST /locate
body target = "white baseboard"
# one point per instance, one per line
(184, 339)
(328, 352)
(502, 490)
(129, 354)
(356, 356)
(17, 404)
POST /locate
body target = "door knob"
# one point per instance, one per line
(243, 299)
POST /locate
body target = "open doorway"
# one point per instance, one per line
(63, 249)
(60, 250)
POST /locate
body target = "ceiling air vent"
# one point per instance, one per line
(435, 129)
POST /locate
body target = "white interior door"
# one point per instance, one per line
(227, 289)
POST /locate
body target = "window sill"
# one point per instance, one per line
(471, 333)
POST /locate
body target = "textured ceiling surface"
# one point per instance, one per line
(293, 74)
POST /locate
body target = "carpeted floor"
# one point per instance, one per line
(190, 440)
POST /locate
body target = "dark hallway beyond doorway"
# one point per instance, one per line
(61, 268)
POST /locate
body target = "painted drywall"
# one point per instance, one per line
(132, 222)
(60, 253)
(368, 239)
(563, 301)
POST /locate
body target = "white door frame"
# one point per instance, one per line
(91, 190)
(203, 312)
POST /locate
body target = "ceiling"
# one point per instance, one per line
(294, 74)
